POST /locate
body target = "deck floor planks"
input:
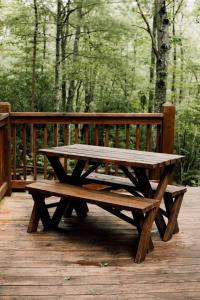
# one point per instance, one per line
(70, 263)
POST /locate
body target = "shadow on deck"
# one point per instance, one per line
(93, 260)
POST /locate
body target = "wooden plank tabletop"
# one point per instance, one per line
(134, 158)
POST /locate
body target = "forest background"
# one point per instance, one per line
(106, 56)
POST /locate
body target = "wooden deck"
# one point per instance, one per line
(93, 260)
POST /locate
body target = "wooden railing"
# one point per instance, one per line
(31, 131)
(5, 176)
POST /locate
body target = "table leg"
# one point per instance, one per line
(40, 211)
(59, 212)
(58, 168)
(81, 208)
(139, 219)
(159, 194)
(146, 189)
(169, 203)
(34, 219)
(172, 225)
(144, 237)
(144, 185)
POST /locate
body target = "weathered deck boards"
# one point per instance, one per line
(71, 263)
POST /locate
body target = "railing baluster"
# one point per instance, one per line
(24, 142)
(138, 137)
(148, 138)
(96, 138)
(55, 135)
(14, 150)
(76, 134)
(86, 134)
(106, 144)
(117, 137)
(158, 138)
(66, 134)
(66, 142)
(45, 146)
(97, 135)
(34, 153)
(127, 135)
(117, 145)
(107, 136)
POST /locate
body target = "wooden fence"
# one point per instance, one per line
(31, 131)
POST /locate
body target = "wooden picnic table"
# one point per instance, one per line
(134, 164)
(143, 204)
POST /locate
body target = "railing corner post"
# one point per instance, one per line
(5, 107)
(168, 128)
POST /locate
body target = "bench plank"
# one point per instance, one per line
(94, 197)
(125, 182)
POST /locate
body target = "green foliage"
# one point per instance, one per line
(187, 141)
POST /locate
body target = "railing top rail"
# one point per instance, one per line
(96, 115)
(85, 118)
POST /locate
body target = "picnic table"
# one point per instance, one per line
(144, 201)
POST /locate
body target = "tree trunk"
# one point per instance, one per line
(78, 93)
(162, 22)
(173, 88)
(57, 88)
(64, 35)
(34, 58)
(71, 91)
(44, 42)
(89, 89)
(64, 38)
(181, 91)
(152, 67)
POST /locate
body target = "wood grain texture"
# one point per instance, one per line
(118, 182)
(91, 196)
(70, 263)
(118, 156)
(85, 118)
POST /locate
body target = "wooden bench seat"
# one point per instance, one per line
(92, 196)
(122, 182)
(173, 198)
(143, 209)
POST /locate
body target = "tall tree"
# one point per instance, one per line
(34, 57)
(175, 11)
(152, 64)
(64, 38)
(162, 23)
(71, 92)
(57, 87)
(160, 47)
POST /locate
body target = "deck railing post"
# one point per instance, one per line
(5, 107)
(168, 127)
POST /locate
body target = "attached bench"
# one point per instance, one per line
(173, 198)
(143, 210)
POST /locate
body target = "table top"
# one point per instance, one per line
(127, 157)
